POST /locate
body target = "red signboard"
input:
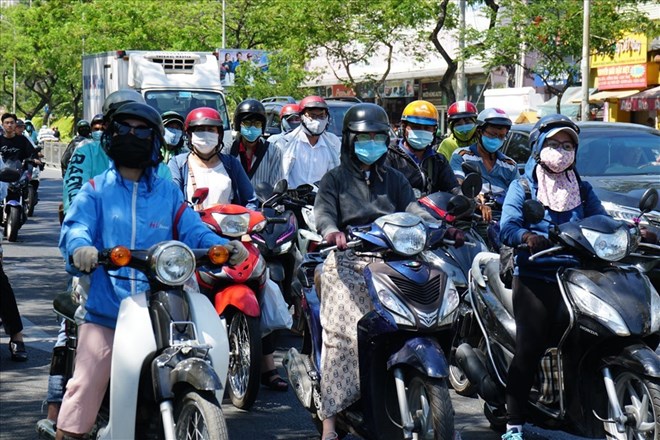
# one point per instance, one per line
(340, 90)
(627, 76)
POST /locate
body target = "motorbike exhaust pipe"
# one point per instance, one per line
(477, 373)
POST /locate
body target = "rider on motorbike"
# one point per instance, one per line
(426, 170)
(289, 121)
(174, 139)
(357, 192)
(131, 188)
(462, 117)
(84, 130)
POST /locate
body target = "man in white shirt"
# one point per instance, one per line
(309, 151)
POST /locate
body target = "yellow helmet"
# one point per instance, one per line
(420, 112)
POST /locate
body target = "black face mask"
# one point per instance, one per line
(131, 152)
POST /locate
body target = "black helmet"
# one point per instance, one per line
(170, 116)
(116, 99)
(144, 113)
(97, 119)
(365, 118)
(250, 109)
(547, 123)
(83, 128)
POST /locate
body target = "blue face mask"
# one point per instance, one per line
(369, 151)
(250, 133)
(464, 129)
(491, 144)
(96, 135)
(172, 136)
(419, 139)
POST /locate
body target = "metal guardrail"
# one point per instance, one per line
(52, 152)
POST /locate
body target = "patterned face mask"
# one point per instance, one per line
(557, 159)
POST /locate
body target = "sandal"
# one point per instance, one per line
(18, 353)
(274, 381)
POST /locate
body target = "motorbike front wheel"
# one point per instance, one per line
(31, 200)
(244, 374)
(631, 388)
(13, 224)
(429, 403)
(198, 416)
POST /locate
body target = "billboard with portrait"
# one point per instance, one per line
(230, 61)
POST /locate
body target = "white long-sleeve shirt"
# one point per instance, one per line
(303, 162)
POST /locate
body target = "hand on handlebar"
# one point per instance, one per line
(457, 235)
(336, 238)
(237, 251)
(85, 258)
(486, 213)
(648, 236)
(536, 243)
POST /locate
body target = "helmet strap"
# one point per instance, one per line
(210, 155)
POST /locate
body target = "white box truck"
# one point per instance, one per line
(513, 101)
(178, 81)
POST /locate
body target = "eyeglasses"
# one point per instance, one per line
(257, 124)
(496, 136)
(123, 129)
(316, 116)
(566, 146)
(365, 137)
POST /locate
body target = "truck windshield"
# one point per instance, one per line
(183, 102)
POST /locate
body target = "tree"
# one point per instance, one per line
(552, 31)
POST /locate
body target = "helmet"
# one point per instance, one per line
(312, 102)
(461, 110)
(97, 119)
(20, 123)
(83, 128)
(365, 118)
(250, 109)
(116, 99)
(288, 110)
(549, 122)
(493, 116)
(172, 116)
(144, 113)
(420, 112)
(204, 116)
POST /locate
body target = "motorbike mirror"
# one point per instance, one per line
(533, 211)
(469, 167)
(649, 200)
(9, 174)
(472, 184)
(304, 188)
(199, 195)
(280, 187)
(460, 206)
(264, 190)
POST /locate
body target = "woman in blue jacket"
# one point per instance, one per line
(126, 205)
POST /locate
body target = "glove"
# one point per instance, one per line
(648, 236)
(85, 258)
(537, 243)
(237, 252)
(336, 238)
(457, 235)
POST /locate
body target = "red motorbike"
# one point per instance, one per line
(235, 292)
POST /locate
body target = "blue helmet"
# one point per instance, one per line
(547, 123)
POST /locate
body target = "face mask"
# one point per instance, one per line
(250, 133)
(204, 141)
(289, 126)
(172, 136)
(96, 135)
(557, 160)
(313, 127)
(419, 139)
(464, 132)
(491, 144)
(130, 151)
(369, 151)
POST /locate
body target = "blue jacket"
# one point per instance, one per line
(513, 226)
(115, 211)
(241, 187)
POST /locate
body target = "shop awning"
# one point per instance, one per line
(607, 95)
(648, 100)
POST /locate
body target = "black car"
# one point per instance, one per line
(620, 161)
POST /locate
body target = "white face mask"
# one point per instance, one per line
(314, 127)
(204, 141)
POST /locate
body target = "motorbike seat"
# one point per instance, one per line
(64, 306)
(492, 273)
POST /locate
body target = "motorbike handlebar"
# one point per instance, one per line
(545, 252)
(351, 244)
(276, 220)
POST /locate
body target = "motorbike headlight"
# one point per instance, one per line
(284, 248)
(610, 247)
(406, 232)
(597, 308)
(655, 310)
(173, 263)
(259, 226)
(308, 216)
(450, 302)
(233, 225)
(400, 312)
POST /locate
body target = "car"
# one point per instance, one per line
(620, 160)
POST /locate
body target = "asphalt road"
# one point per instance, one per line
(36, 270)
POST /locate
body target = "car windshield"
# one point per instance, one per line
(183, 101)
(337, 118)
(605, 152)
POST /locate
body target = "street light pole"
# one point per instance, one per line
(461, 92)
(223, 25)
(13, 99)
(585, 61)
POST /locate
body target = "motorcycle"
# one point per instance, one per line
(402, 365)
(169, 356)
(16, 204)
(33, 188)
(603, 376)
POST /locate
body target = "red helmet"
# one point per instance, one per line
(313, 102)
(461, 109)
(203, 116)
(289, 109)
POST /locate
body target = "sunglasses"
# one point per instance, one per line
(379, 137)
(257, 124)
(566, 146)
(123, 129)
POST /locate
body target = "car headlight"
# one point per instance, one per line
(450, 302)
(610, 247)
(173, 263)
(233, 225)
(628, 214)
(598, 309)
(400, 312)
(655, 309)
(406, 232)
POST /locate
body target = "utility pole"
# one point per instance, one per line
(13, 99)
(585, 61)
(461, 83)
(223, 25)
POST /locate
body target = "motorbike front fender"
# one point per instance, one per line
(423, 354)
(276, 270)
(638, 358)
(13, 203)
(239, 296)
(196, 372)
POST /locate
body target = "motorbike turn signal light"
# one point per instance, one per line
(218, 254)
(120, 256)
